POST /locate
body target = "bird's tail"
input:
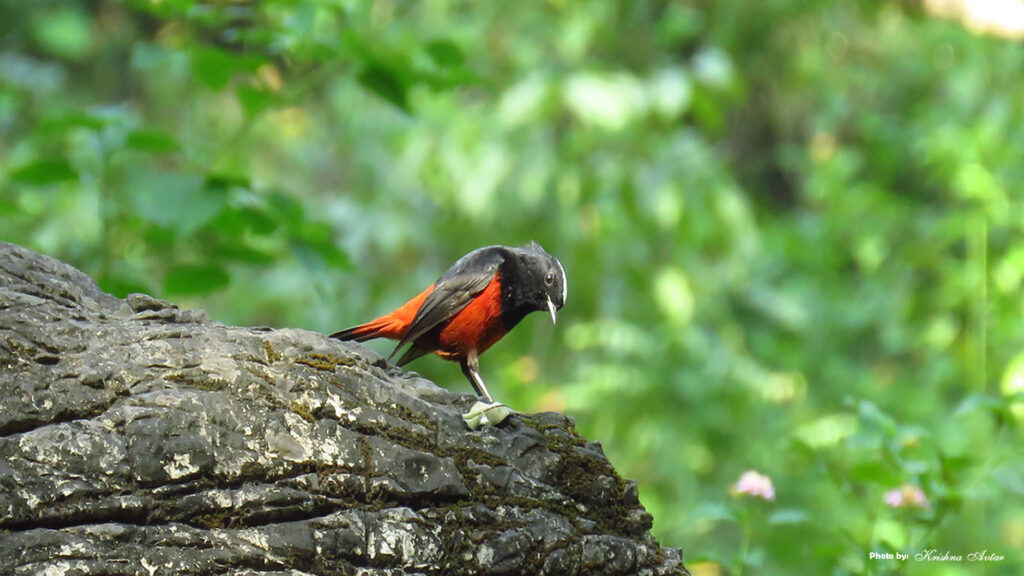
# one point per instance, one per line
(383, 327)
(391, 325)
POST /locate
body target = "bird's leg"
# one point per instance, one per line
(482, 413)
(471, 368)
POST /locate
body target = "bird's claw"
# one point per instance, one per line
(483, 414)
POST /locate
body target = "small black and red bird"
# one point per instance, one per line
(471, 306)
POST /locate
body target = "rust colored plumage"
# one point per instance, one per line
(476, 327)
(391, 326)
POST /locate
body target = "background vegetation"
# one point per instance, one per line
(792, 229)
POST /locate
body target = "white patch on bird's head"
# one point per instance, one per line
(565, 281)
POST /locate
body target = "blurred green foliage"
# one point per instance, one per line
(792, 229)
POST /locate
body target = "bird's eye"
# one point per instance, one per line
(549, 279)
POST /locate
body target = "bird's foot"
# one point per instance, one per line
(484, 414)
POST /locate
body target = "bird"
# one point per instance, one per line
(483, 296)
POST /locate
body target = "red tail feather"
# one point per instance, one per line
(383, 327)
(391, 326)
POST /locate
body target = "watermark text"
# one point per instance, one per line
(935, 555)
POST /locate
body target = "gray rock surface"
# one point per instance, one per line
(137, 438)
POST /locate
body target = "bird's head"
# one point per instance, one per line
(545, 278)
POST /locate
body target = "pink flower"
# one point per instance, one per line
(755, 484)
(907, 496)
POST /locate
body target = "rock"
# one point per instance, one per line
(140, 439)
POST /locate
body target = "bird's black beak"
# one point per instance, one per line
(551, 308)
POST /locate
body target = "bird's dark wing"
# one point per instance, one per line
(454, 290)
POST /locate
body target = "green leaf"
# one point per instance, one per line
(243, 253)
(254, 100)
(445, 53)
(235, 221)
(870, 412)
(152, 140)
(64, 32)
(191, 279)
(873, 471)
(225, 181)
(65, 121)
(286, 209)
(43, 172)
(953, 465)
(214, 67)
(314, 244)
(174, 200)
(976, 402)
(385, 83)
(120, 285)
(827, 431)
(158, 238)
